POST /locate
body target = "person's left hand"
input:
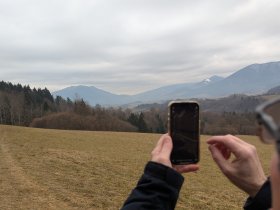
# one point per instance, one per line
(161, 154)
(245, 170)
(275, 182)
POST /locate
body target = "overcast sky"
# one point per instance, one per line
(130, 46)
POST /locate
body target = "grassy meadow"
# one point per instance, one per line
(54, 169)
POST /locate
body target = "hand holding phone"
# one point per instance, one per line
(184, 131)
(161, 154)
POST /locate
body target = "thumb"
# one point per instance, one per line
(218, 158)
(166, 147)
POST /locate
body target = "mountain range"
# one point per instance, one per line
(253, 79)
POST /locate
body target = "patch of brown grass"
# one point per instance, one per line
(54, 169)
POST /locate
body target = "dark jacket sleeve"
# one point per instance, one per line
(157, 189)
(262, 201)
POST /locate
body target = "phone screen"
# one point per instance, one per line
(184, 131)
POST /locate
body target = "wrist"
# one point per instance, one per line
(165, 173)
(262, 200)
(254, 191)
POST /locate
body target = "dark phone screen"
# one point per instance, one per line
(184, 130)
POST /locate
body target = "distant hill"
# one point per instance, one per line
(95, 95)
(251, 80)
(175, 91)
(234, 103)
(274, 91)
(92, 95)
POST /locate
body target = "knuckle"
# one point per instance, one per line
(252, 150)
(229, 136)
(249, 152)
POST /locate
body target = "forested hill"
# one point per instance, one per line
(20, 104)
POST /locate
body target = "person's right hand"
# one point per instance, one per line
(161, 154)
(245, 170)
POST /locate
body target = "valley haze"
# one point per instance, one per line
(253, 79)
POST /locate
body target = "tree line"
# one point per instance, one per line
(23, 106)
(19, 105)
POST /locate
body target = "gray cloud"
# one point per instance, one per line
(131, 46)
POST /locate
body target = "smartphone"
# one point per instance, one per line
(183, 127)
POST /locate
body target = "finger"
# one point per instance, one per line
(228, 141)
(218, 158)
(225, 151)
(166, 147)
(232, 137)
(159, 144)
(162, 151)
(186, 168)
(238, 140)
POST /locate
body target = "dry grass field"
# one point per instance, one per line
(52, 169)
